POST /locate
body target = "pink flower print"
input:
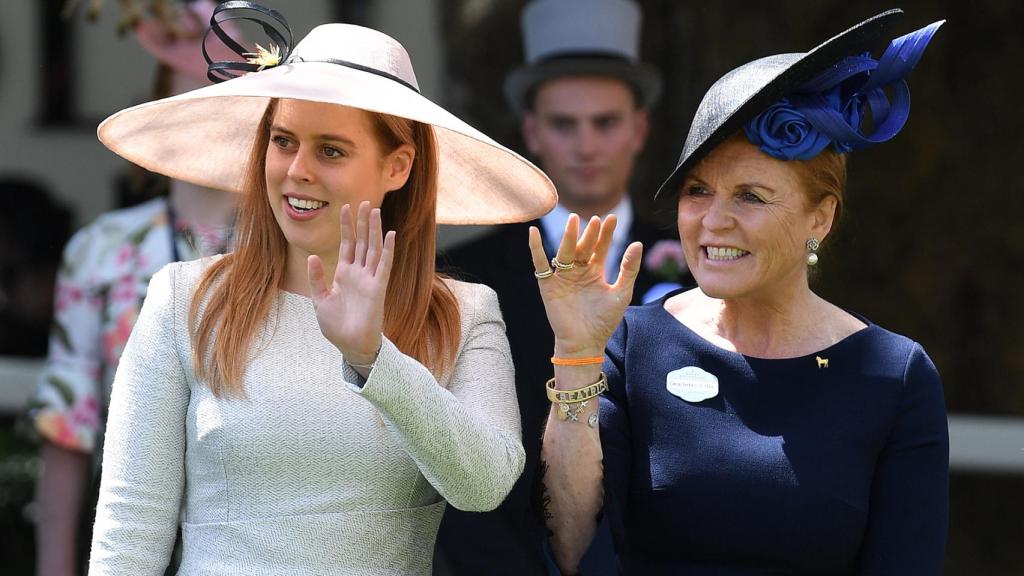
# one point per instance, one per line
(54, 427)
(86, 414)
(124, 291)
(67, 295)
(115, 339)
(125, 254)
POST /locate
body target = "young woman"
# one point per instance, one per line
(310, 402)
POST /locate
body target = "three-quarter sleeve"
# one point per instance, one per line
(909, 506)
(67, 403)
(465, 439)
(144, 448)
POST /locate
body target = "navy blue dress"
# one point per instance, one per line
(793, 468)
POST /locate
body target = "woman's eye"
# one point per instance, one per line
(751, 197)
(332, 152)
(696, 190)
(280, 141)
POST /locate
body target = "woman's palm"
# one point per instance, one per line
(582, 307)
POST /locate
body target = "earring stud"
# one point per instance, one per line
(812, 249)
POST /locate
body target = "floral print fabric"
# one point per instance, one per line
(100, 288)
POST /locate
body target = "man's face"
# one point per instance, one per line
(586, 132)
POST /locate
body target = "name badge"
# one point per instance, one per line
(692, 384)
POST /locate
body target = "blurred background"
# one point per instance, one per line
(931, 246)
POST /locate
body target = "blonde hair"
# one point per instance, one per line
(421, 314)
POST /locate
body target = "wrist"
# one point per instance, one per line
(362, 357)
(569, 350)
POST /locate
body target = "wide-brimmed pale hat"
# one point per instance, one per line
(841, 67)
(582, 38)
(205, 136)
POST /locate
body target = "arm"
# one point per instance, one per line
(583, 310)
(466, 439)
(144, 449)
(59, 494)
(909, 511)
(65, 409)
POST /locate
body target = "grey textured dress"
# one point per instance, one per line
(308, 473)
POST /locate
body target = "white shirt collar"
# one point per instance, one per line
(553, 224)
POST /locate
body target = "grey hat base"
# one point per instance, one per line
(643, 78)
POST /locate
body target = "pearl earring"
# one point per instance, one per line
(812, 249)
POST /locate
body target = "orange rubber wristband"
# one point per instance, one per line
(577, 361)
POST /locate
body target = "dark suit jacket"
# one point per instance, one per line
(509, 540)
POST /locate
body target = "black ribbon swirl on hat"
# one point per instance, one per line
(276, 28)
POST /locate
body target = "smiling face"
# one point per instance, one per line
(586, 132)
(319, 158)
(744, 221)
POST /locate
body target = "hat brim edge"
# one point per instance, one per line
(530, 205)
(645, 78)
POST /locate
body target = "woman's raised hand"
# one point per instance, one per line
(582, 307)
(350, 310)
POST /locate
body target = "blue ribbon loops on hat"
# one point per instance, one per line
(830, 108)
(274, 26)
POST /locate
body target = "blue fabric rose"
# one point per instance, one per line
(783, 132)
(831, 106)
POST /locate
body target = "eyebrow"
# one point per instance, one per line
(691, 177)
(559, 117)
(568, 117)
(756, 185)
(331, 137)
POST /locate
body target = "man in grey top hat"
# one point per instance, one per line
(583, 97)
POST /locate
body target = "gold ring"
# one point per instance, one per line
(560, 265)
(545, 274)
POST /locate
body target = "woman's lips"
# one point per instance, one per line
(302, 209)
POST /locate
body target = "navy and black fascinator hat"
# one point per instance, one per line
(793, 106)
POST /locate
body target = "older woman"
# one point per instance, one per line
(749, 426)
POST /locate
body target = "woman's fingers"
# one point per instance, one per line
(540, 259)
(604, 241)
(362, 232)
(346, 248)
(567, 248)
(315, 272)
(587, 242)
(629, 268)
(387, 257)
(375, 242)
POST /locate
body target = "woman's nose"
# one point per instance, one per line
(300, 168)
(719, 215)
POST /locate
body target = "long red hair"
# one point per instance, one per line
(237, 293)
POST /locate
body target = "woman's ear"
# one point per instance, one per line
(398, 166)
(824, 215)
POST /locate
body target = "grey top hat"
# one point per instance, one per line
(582, 38)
